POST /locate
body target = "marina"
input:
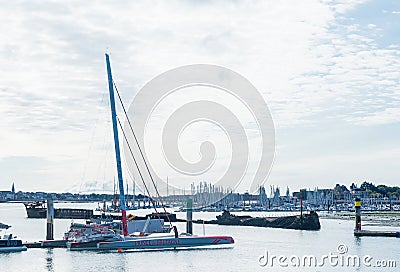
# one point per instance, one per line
(250, 243)
(106, 236)
(204, 136)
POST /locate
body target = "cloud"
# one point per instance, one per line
(387, 116)
(312, 61)
(324, 171)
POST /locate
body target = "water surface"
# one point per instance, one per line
(251, 243)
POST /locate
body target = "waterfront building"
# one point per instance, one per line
(8, 195)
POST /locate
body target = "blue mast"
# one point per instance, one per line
(116, 144)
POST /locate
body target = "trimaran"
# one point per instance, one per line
(151, 241)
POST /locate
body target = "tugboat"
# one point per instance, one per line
(8, 243)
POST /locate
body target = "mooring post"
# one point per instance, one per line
(301, 208)
(357, 205)
(189, 215)
(50, 219)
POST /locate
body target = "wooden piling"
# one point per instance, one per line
(189, 215)
(357, 204)
(50, 219)
(301, 210)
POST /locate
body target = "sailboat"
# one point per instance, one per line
(150, 241)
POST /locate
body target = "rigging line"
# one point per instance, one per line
(141, 153)
(137, 167)
(131, 176)
(91, 141)
(134, 159)
(105, 161)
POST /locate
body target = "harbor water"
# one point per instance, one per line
(255, 249)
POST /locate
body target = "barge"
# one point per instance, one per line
(38, 210)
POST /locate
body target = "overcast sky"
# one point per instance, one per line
(328, 70)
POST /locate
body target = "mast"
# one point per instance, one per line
(134, 194)
(116, 145)
(127, 193)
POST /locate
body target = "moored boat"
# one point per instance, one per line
(112, 240)
(38, 209)
(90, 242)
(86, 236)
(8, 243)
(147, 242)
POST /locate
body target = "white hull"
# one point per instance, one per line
(169, 242)
(13, 249)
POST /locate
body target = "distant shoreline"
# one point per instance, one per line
(55, 201)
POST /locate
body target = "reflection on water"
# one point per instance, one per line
(98, 261)
(49, 260)
(357, 242)
(136, 251)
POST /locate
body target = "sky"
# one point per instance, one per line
(329, 72)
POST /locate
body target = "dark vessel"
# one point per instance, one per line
(8, 243)
(167, 217)
(304, 222)
(38, 210)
